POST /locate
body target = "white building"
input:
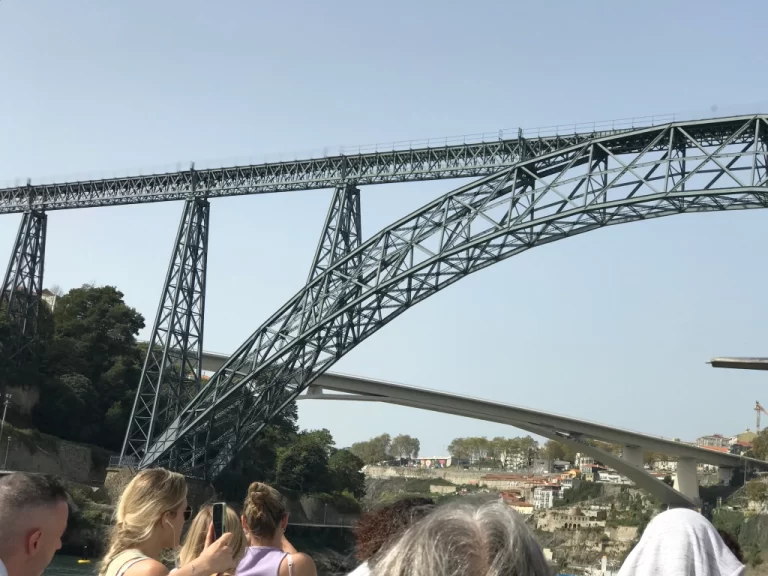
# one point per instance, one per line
(613, 478)
(714, 441)
(583, 461)
(523, 508)
(665, 465)
(49, 298)
(568, 483)
(544, 496)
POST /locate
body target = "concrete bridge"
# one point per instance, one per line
(565, 429)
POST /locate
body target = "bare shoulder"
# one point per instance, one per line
(148, 567)
(303, 565)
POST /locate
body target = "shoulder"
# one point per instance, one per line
(147, 567)
(303, 565)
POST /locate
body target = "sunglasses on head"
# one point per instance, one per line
(187, 513)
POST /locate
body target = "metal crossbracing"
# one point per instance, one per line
(22, 288)
(686, 167)
(171, 374)
(340, 236)
(407, 165)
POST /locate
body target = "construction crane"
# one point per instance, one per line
(758, 409)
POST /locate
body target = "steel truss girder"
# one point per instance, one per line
(171, 375)
(602, 182)
(22, 287)
(341, 235)
(454, 161)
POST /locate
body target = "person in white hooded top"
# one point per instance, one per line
(681, 542)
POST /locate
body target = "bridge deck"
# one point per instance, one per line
(432, 162)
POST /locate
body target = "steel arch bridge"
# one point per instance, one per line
(532, 192)
(649, 173)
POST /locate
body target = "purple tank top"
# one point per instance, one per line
(261, 561)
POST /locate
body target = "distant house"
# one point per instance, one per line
(569, 483)
(49, 298)
(713, 441)
(523, 508)
(582, 460)
(544, 496)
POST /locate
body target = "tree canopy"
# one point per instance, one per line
(499, 451)
(374, 450)
(404, 446)
(88, 366)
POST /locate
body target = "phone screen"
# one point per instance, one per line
(219, 519)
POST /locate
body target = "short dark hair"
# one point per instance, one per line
(22, 490)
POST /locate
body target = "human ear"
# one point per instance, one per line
(33, 541)
(244, 523)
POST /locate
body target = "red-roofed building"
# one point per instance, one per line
(723, 449)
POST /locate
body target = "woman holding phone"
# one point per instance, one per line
(150, 517)
(269, 553)
(200, 532)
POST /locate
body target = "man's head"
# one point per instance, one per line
(33, 518)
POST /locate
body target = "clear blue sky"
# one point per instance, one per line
(613, 326)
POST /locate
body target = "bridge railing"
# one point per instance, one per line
(606, 126)
(603, 126)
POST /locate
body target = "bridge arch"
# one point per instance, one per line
(678, 168)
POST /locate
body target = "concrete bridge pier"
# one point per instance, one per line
(633, 455)
(686, 481)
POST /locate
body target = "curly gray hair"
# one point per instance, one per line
(465, 540)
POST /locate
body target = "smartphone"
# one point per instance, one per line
(219, 519)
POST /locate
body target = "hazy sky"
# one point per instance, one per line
(613, 326)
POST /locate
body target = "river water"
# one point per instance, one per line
(68, 566)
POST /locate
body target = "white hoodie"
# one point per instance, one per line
(681, 542)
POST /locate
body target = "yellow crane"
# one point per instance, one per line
(758, 409)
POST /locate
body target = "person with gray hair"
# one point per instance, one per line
(33, 518)
(462, 539)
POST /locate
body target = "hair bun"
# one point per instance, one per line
(264, 508)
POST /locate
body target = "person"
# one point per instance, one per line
(149, 518)
(33, 518)
(681, 542)
(194, 541)
(462, 539)
(378, 528)
(269, 553)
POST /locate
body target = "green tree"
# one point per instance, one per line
(92, 365)
(760, 446)
(459, 448)
(757, 490)
(346, 473)
(404, 446)
(554, 450)
(70, 411)
(374, 450)
(258, 460)
(303, 465)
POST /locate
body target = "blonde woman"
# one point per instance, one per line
(197, 535)
(149, 519)
(269, 553)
